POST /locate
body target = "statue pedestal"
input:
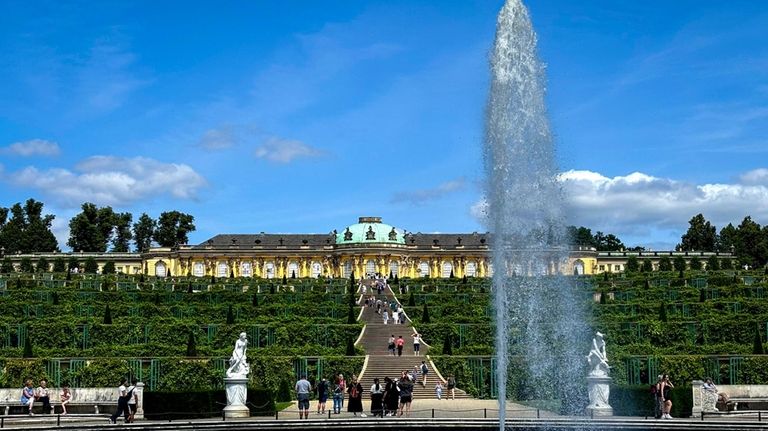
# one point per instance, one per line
(599, 392)
(237, 392)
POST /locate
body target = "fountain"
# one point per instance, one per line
(539, 314)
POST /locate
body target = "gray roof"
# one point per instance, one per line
(293, 240)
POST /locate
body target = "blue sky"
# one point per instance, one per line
(300, 116)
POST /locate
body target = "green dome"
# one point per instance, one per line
(370, 230)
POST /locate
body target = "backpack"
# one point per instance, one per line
(424, 368)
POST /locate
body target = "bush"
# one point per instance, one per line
(26, 265)
(425, 314)
(350, 348)
(91, 267)
(42, 265)
(7, 266)
(636, 400)
(202, 404)
(109, 268)
(59, 265)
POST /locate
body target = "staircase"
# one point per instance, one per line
(381, 364)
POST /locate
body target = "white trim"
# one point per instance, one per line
(360, 315)
(360, 337)
(434, 368)
(365, 367)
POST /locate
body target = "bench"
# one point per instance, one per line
(84, 400)
(741, 397)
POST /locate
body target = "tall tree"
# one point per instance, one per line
(143, 231)
(27, 230)
(580, 236)
(91, 230)
(609, 242)
(123, 235)
(726, 241)
(701, 235)
(173, 227)
(751, 247)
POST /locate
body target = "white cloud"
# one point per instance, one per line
(33, 147)
(640, 205)
(108, 180)
(279, 150)
(218, 139)
(420, 196)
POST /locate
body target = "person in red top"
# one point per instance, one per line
(400, 343)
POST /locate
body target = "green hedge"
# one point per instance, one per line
(638, 401)
(173, 405)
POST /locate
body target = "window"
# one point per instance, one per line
(601, 268)
(423, 269)
(269, 269)
(490, 270)
(617, 267)
(578, 267)
(246, 270)
(348, 268)
(447, 269)
(160, 269)
(198, 269)
(317, 269)
(293, 270)
(222, 270)
(370, 268)
(393, 268)
(471, 269)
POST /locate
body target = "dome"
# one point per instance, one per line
(370, 230)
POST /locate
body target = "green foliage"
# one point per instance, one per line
(195, 404)
(284, 392)
(108, 268)
(632, 264)
(679, 263)
(191, 345)
(42, 265)
(351, 318)
(448, 345)
(663, 312)
(603, 298)
(27, 348)
(143, 231)
(230, 316)
(350, 348)
(16, 371)
(637, 401)
(91, 267)
(647, 266)
(7, 266)
(27, 230)
(173, 228)
(701, 235)
(425, 314)
(107, 316)
(100, 372)
(25, 265)
(91, 229)
(713, 263)
(285, 280)
(665, 264)
(695, 264)
(411, 300)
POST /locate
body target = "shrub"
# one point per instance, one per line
(665, 264)
(411, 300)
(679, 263)
(7, 266)
(695, 263)
(27, 348)
(109, 268)
(447, 345)
(230, 316)
(350, 347)
(59, 265)
(107, 316)
(425, 314)
(202, 404)
(42, 265)
(713, 263)
(26, 265)
(91, 267)
(191, 345)
(757, 343)
(632, 264)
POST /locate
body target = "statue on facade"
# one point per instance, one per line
(370, 235)
(347, 235)
(598, 380)
(238, 363)
(393, 235)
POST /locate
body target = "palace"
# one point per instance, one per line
(364, 248)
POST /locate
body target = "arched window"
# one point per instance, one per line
(246, 270)
(160, 269)
(348, 268)
(370, 268)
(198, 269)
(394, 267)
(447, 269)
(423, 269)
(269, 269)
(317, 269)
(222, 270)
(490, 270)
(471, 269)
(293, 270)
(578, 267)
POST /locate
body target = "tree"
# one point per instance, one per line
(109, 268)
(580, 236)
(647, 265)
(42, 265)
(191, 345)
(121, 242)
(91, 267)
(230, 316)
(665, 264)
(701, 235)
(143, 231)
(663, 312)
(25, 265)
(59, 265)
(632, 264)
(27, 347)
(751, 243)
(7, 266)
(350, 347)
(351, 319)
(425, 314)
(757, 344)
(27, 230)
(726, 241)
(603, 298)
(255, 300)
(726, 263)
(173, 228)
(713, 263)
(107, 316)
(447, 345)
(679, 263)
(608, 242)
(91, 229)
(695, 264)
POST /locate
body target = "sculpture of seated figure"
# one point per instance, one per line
(597, 358)
(238, 364)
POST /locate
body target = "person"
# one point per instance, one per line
(416, 344)
(337, 396)
(42, 394)
(302, 395)
(451, 385)
(122, 402)
(414, 374)
(424, 372)
(343, 384)
(666, 388)
(28, 395)
(385, 316)
(133, 399)
(439, 390)
(65, 396)
(395, 318)
(391, 345)
(391, 396)
(322, 395)
(355, 391)
(400, 343)
(406, 395)
(238, 364)
(658, 402)
(377, 396)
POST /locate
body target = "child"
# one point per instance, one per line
(65, 396)
(439, 390)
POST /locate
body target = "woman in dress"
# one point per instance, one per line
(391, 396)
(666, 388)
(355, 403)
(377, 395)
(28, 395)
(406, 395)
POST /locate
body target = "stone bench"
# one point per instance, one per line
(746, 397)
(84, 400)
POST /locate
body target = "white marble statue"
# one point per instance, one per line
(238, 364)
(597, 358)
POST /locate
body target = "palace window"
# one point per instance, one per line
(393, 268)
(578, 267)
(601, 268)
(198, 269)
(348, 268)
(269, 269)
(160, 269)
(222, 270)
(317, 269)
(617, 267)
(370, 268)
(423, 269)
(447, 269)
(471, 269)
(246, 270)
(293, 270)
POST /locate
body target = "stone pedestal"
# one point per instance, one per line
(237, 392)
(599, 392)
